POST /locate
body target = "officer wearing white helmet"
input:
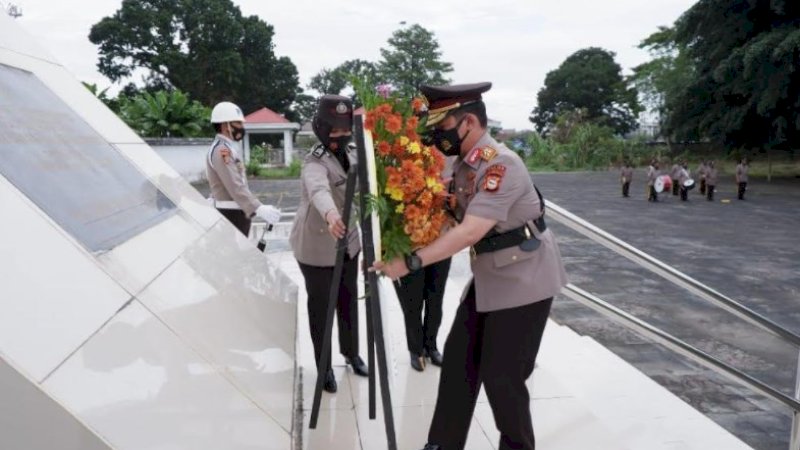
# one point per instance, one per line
(226, 173)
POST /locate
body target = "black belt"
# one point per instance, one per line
(495, 241)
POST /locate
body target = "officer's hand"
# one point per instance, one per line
(394, 269)
(269, 213)
(335, 224)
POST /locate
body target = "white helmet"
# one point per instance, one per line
(226, 112)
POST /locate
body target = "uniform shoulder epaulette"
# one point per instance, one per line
(318, 152)
(488, 153)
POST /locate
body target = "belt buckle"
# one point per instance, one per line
(472, 253)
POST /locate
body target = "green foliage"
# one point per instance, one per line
(203, 47)
(335, 81)
(746, 87)
(165, 114)
(592, 81)
(580, 144)
(413, 58)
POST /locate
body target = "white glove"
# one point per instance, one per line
(269, 213)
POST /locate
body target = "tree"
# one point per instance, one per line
(746, 91)
(335, 81)
(662, 80)
(165, 114)
(590, 80)
(412, 58)
(203, 47)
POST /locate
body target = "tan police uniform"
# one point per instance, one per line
(711, 182)
(702, 169)
(652, 174)
(227, 180)
(323, 182)
(626, 176)
(517, 269)
(683, 176)
(674, 174)
(742, 178)
(492, 182)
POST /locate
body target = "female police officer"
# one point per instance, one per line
(319, 224)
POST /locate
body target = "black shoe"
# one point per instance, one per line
(359, 368)
(417, 362)
(435, 356)
(432, 447)
(330, 382)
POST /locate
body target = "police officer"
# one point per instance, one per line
(652, 174)
(741, 177)
(226, 173)
(319, 224)
(626, 175)
(516, 268)
(683, 177)
(702, 169)
(674, 174)
(711, 180)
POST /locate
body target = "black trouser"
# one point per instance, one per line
(423, 287)
(710, 193)
(702, 186)
(497, 350)
(626, 186)
(742, 189)
(684, 193)
(238, 219)
(675, 187)
(318, 285)
(653, 194)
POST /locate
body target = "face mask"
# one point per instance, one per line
(341, 142)
(448, 141)
(237, 134)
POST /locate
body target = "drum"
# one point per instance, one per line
(659, 185)
(688, 184)
(667, 182)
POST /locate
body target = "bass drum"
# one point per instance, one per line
(659, 185)
(689, 184)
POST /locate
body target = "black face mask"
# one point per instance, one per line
(237, 134)
(448, 141)
(341, 143)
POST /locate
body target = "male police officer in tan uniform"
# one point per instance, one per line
(741, 177)
(516, 266)
(317, 226)
(626, 175)
(226, 174)
(711, 180)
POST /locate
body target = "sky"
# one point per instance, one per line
(512, 43)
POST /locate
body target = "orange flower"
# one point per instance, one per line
(384, 148)
(393, 123)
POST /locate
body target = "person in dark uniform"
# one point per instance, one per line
(516, 266)
(711, 180)
(626, 175)
(317, 226)
(226, 174)
(423, 288)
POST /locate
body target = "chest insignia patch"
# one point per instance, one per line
(488, 154)
(318, 152)
(493, 178)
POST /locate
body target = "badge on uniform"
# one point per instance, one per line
(488, 154)
(318, 152)
(226, 155)
(474, 156)
(493, 177)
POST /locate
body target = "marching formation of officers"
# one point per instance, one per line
(497, 213)
(679, 180)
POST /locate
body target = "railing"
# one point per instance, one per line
(668, 272)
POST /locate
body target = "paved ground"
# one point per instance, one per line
(744, 249)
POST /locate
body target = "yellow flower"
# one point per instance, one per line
(404, 141)
(434, 185)
(400, 208)
(413, 148)
(395, 193)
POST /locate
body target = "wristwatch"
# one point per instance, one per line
(413, 262)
